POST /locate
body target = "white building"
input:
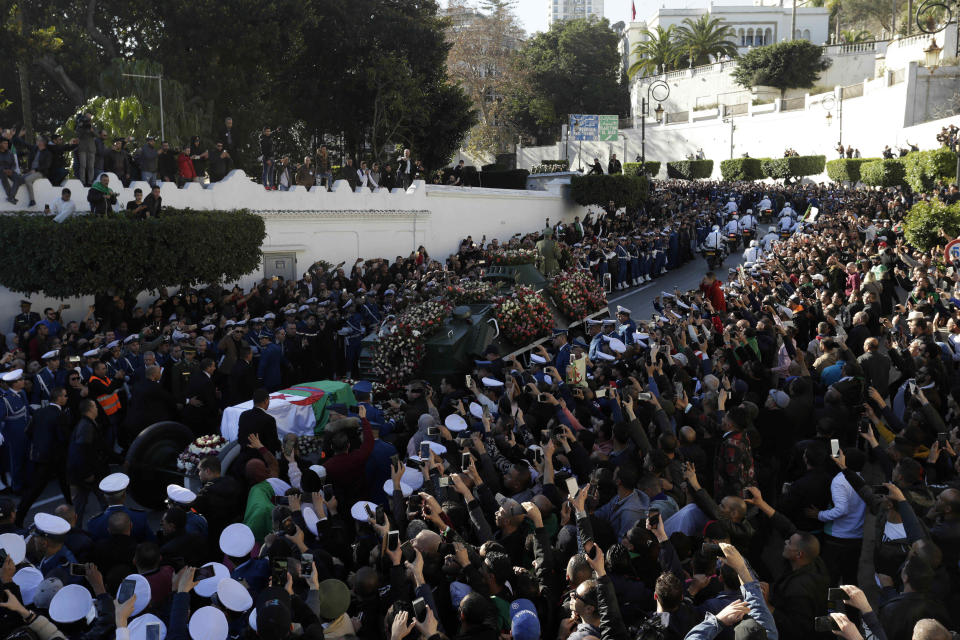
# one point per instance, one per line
(755, 25)
(573, 9)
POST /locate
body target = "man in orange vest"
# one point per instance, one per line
(104, 391)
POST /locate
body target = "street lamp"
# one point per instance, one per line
(644, 112)
(931, 55)
(926, 19)
(829, 103)
(159, 79)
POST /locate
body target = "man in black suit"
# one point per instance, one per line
(202, 411)
(256, 421)
(149, 404)
(243, 377)
(48, 436)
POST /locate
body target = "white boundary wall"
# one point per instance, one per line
(885, 114)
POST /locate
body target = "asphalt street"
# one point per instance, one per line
(640, 299)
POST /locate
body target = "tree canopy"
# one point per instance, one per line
(572, 68)
(705, 40)
(785, 65)
(657, 51)
(362, 75)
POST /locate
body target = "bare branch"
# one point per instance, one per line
(57, 73)
(95, 34)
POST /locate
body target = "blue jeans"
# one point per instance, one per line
(267, 177)
(327, 178)
(149, 176)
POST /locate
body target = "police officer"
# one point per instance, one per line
(634, 248)
(50, 376)
(270, 367)
(14, 415)
(362, 391)
(114, 488)
(595, 335)
(714, 239)
(132, 360)
(753, 252)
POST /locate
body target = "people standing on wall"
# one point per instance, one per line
(324, 171)
(595, 168)
(405, 169)
(221, 162)
(266, 157)
(614, 167)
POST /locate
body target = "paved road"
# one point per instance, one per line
(640, 299)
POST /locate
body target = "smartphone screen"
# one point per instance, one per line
(433, 431)
(572, 487)
(153, 631)
(328, 491)
(444, 481)
(835, 448)
(77, 569)
(279, 571)
(127, 587)
(394, 461)
(393, 540)
(464, 461)
(424, 451)
(306, 562)
(202, 574)
(420, 609)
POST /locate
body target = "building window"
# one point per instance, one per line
(806, 34)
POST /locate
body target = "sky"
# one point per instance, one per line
(533, 13)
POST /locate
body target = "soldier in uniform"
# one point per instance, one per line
(623, 263)
(625, 326)
(15, 414)
(594, 332)
(50, 376)
(26, 319)
(114, 488)
(352, 332)
(51, 536)
(132, 360)
(270, 367)
(180, 374)
(47, 443)
(547, 250)
(634, 249)
(562, 358)
(92, 357)
(184, 498)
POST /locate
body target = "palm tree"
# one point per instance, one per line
(657, 50)
(853, 36)
(705, 37)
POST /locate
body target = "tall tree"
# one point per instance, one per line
(657, 51)
(572, 68)
(705, 38)
(482, 43)
(785, 65)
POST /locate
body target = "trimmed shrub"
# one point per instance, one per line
(792, 167)
(925, 220)
(80, 256)
(624, 190)
(512, 179)
(633, 168)
(888, 172)
(846, 169)
(493, 167)
(741, 169)
(690, 169)
(925, 168)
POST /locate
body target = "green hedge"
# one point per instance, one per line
(846, 169)
(89, 255)
(741, 169)
(624, 190)
(690, 169)
(512, 179)
(925, 168)
(792, 167)
(888, 172)
(493, 167)
(925, 220)
(633, 168)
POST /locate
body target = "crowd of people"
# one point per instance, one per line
(770, 456)
(92, 154)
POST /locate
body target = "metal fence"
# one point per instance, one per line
(794, 104)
